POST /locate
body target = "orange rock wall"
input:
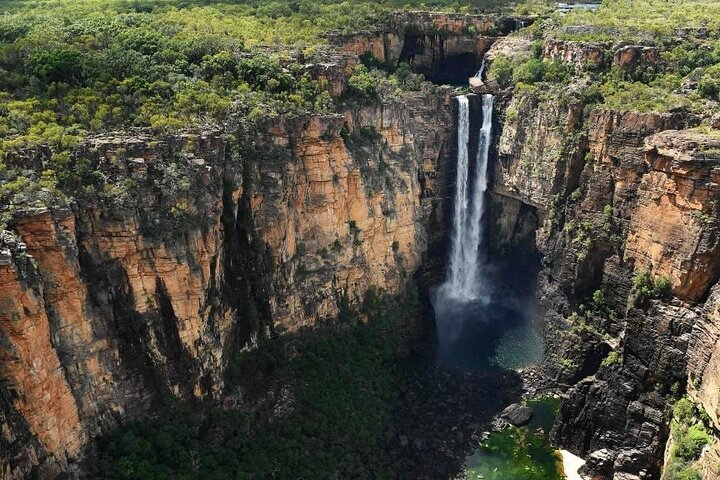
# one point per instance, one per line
(125, 297)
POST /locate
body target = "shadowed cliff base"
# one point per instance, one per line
(356, 399)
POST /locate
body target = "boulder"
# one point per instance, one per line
(517, 414)
(475, 82)
(715, 121)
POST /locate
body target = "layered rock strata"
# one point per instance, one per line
(616, 194)
(196, 245)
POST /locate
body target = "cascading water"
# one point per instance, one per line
(463, 282)
(481, 70)
(462, 302)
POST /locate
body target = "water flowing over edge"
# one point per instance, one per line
(463, 282)
(479, 73)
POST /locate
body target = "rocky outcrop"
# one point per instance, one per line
(39, 413)
(704, 358)
(535, 153)
(517, 414)
(578, 54)
(636, 60)
(332, 70)
(616, 193)
(446, 47)
(194, 246)
(674, 227)
(515, 47)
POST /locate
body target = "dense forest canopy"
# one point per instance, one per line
(72, 68)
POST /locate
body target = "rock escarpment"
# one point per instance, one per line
(199, 243)
(196, 245)
(620, 197)
(445, 47)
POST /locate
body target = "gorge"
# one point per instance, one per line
(350, 271)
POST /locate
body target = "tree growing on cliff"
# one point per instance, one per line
(647, 287)
(363, 84)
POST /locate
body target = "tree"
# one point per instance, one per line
(501, 70)
(530, 71)
(265, 73)
(63, 64)
(363, 84)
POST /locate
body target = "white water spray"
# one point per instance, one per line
(463, 282)
(481, 70)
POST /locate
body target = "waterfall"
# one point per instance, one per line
(481, 70)
(484, 318)
(463, 282)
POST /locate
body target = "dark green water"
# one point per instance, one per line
(519, 347)
(522, 453)
(499, 332)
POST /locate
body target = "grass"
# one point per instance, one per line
(638, 20)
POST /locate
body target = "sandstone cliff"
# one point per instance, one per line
(197, 245)
(446, 47)
(616, 194)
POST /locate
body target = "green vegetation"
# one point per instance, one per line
(686, 74)
(583, 237)
(686, 34)
(516, 453)
(567, 365)
(691, 441)
(528, 71)
(640, 20)
(612, 358)
(648, 287)
(704, 218)
(684, 410)
(70, 69)
(521, 453)
(638, 96)
(598, 299)
(340, 383)
(690, 436)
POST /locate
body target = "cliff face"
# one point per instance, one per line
(446, 47)
(219, 237)
(200, 243)
(616, 194)
(673, 229)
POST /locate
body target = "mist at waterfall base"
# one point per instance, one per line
(485, 309)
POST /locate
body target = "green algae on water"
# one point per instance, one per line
(520, 453)
(516, 453)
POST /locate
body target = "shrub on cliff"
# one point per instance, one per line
(501, 70)
(689, 438)
(689, 443)
(646, 287)
(531, 71)
(363, 84)
(612, 358)
(684, 410)
(406, 79)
